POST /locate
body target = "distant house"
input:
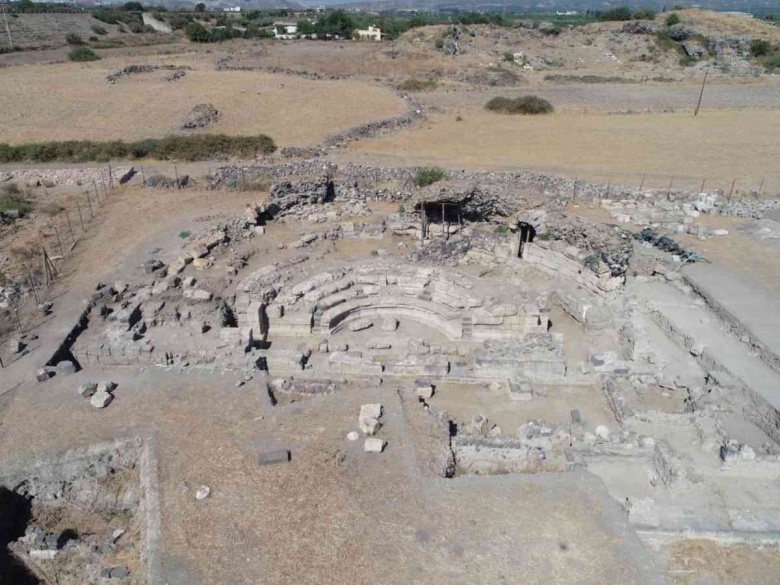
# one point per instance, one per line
(232, 9)
(372, 33)
(285, 30)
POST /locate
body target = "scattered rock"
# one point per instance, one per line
(360, 325)
(200, 116)
(202, 492)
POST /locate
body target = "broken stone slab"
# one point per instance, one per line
(478, 425)
(520, 391)
(360, 325)
(369, 425)
(424, 389)
(176, 267)
(202, 263)
(371, 411)
(374, 445)
(101, 399)
(152, 265)
(274, 457)
(120, 286)
(197, 294)
(87, 389)
(379, 345)
(576, 417)
(66, 367)
(389, 324)
(198, 251)
(202, 492)
(602, 432)
(44, 374)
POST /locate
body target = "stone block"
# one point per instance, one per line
(87, 389)
(101, 398)
(373, 410)
(374, 445)
(520, 390)
(424, 389)
(274, 457)
(369, 425)
(202, 263)
(389, 324)
(360, 325)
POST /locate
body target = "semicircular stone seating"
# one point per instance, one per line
(448, 302)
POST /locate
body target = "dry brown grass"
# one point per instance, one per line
(72, 101)
(718, 145)
(722, 565)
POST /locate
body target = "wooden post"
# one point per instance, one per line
(669, 191)
(70, 227)
(609, 183)
(760, 188)
(8, 31)
(32, 284)
(81, 218)
(176, 172)
(110, 178)
(97, 195)
(732, 188)
(143, 176)
(701, 95)
(59, 242)
(91, 215)
(641, 184)
(701, 189)
(18, 322)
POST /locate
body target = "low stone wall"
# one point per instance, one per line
(557, 259)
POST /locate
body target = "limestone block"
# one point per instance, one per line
(374, 445)
(202, 263)
(482, 317)
(389, 324)
(369, 425)
(199, 251)
(424, 389)
(360, 324)
(371, 410)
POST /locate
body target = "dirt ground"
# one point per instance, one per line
(717, 145)
(73, 102)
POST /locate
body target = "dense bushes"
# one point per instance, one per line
(83, 54)
(74, 39)
(425, 177)
(527, 104)
(673, 19)
(760, 47)
(190, 148)
(622, 13)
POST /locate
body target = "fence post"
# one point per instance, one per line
(59, 242)
(81, 218)
(732, 188)
(70, 227)
(91, 215)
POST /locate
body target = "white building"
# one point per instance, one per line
(285, 30)
(372, 33)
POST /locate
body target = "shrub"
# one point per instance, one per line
(416, 85)
(616, 14)
(425, 177)
(509, 57)
(673, 19)
(13, 199)
(527, 104)
(73, 39)
(190, 148)
(502, 229)
(644, 14)
(591, 262)
(83, 54)
(184, 235)
(773, 62)
(760, 47)
(99, 30)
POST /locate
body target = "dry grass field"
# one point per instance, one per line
(717, 145)
(73, 102)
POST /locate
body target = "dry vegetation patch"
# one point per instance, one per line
(73, 102)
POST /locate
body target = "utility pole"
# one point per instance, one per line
(8, 30)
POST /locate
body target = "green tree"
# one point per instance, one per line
(197, 33)
(335, 22)
(200, 7)
(133, 7)
(25, 6)
(305, 27)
